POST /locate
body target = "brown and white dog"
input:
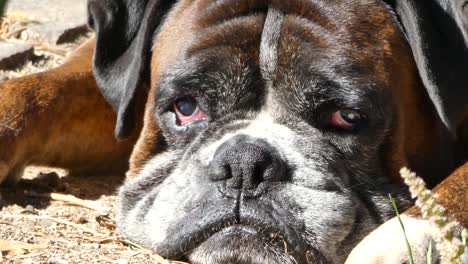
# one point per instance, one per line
(257, 131)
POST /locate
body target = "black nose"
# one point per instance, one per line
(244, 163)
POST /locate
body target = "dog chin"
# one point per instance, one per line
(241, 244)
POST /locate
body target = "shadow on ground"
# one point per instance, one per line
(88, 187)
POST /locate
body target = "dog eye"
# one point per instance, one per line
(345, 119)
(187, 110)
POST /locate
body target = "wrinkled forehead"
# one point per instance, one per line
(352, 39)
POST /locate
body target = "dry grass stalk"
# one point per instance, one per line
(11, 245)
(451, 241)
(70, 199)
(13, 248)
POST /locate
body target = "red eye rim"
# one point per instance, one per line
(182, 119)
(338, 120)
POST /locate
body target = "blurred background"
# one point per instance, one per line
(36, 35)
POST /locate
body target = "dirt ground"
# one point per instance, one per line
(56, 230)
(52, 217)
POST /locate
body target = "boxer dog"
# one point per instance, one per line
(260, 131)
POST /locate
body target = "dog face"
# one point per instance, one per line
(273, 131)
(275, 119)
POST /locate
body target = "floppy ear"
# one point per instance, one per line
(124, 35)
(437, 31)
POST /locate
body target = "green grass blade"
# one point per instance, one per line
(429, 253)
(408, 247)
(465, 237)
(2, 7)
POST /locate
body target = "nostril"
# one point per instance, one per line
(244, 163)
(274, 169)
(257, 175)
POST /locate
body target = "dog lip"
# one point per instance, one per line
(237, 228)
(250, 225)
(266, 229)
(272, 231)
(240, 215)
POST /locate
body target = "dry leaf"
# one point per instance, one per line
(17, 252)
(18, 248)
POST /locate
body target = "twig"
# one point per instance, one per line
(6, 126)
(140, 249)
(32, 255)
(52, 257)
(70, 199)
(48, 48)
(114, 239)
(11, 245)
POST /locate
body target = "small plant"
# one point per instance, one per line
(429, 253)
(408, 246)
(450, 242)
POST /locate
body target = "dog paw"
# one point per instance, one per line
(386, 244)
(10, 175)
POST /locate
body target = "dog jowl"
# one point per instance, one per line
(277, 119)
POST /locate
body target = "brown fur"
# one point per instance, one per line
(164, 53)
(452, 193)
(59, 118)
